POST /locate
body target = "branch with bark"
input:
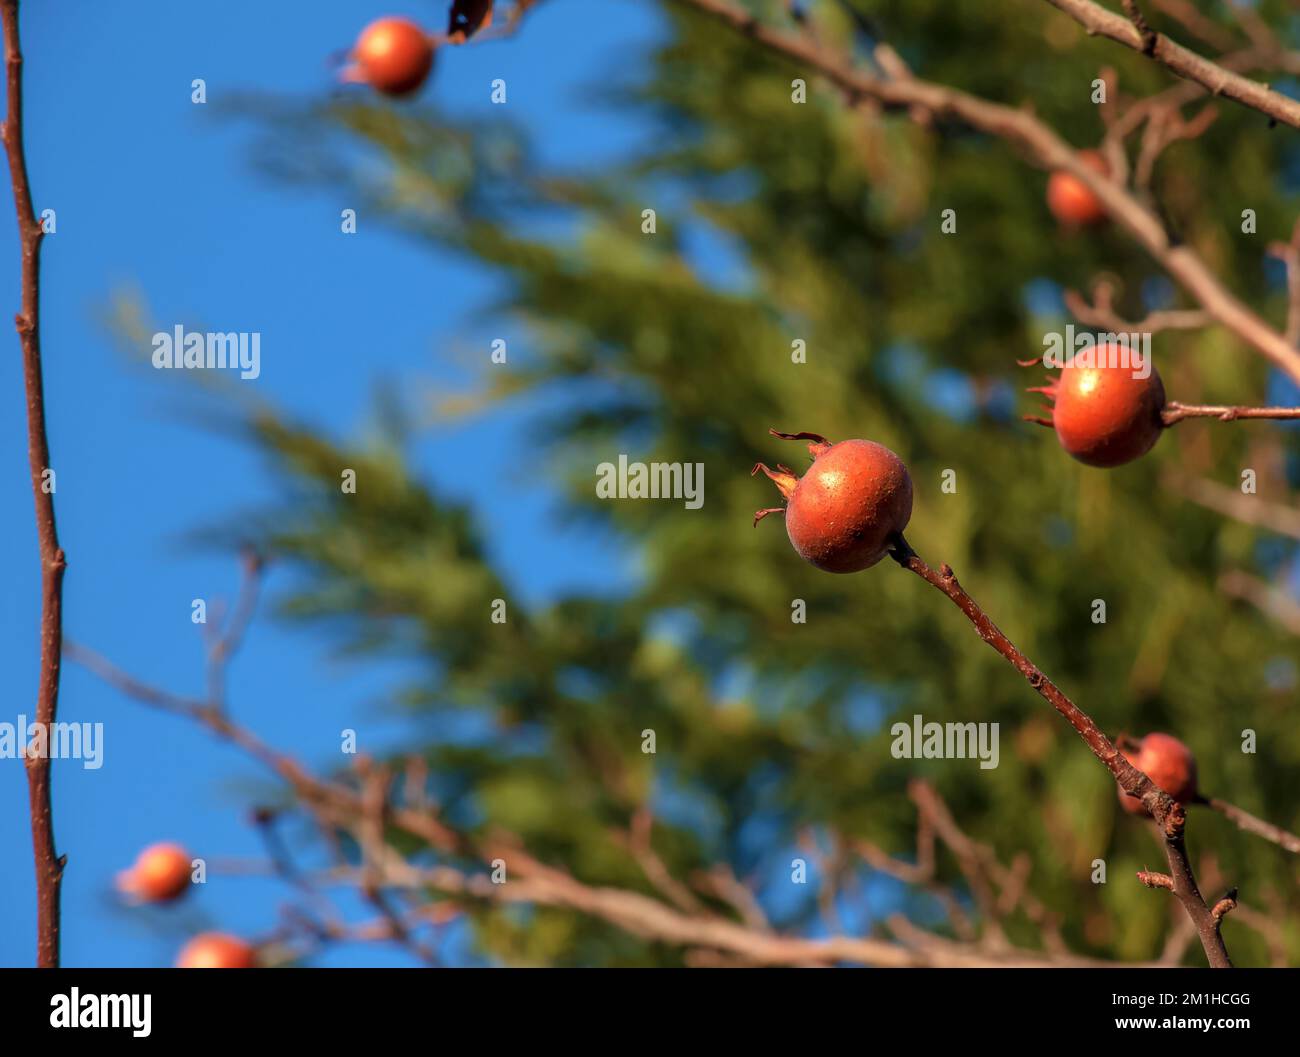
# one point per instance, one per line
(1169, 815)
(1041, 145)
(1136, 33)
(49, 864)
(722, 924)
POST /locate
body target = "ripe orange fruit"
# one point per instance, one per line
(1167, 762)
(1069, 198)
(216, 950)
(393, 56)
(1105, 412)
(160, 874)
(847, 511)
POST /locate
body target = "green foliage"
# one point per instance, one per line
(759, 721)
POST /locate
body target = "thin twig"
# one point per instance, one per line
(1101, 313)
(1197, 24)
(1224, 906)
(1168, 814)
(49, 864)
(1246, 821)
(1247, 508)
(1268, 600)
(1175, 412)
(1289, 254)
(225, 640)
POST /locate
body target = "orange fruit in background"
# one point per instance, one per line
(217, 950)
(160, 874)
(393, 56)
(1167, 762)
(1070, 199)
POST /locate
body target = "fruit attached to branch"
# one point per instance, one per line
(851, 506)
(1106, 410)
(1167, 762)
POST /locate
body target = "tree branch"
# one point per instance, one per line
(1168, 814)
(1268, 600)
(49, 864)
(1247, 508)
(1175, 412)
(1022, 129)
(1246, 821)
(1101, 313)
(337, 808)
(1134, 32)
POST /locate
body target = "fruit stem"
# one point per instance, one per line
(1169, 815)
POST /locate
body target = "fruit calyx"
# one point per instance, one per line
(785, 479)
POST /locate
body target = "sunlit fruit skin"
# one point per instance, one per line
(160, 874)
(849, 510)
(1107, 415)
(393, 56)
(217, 950)
(1167, 762)
(1069, 198)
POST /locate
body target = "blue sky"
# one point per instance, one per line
(154, 195)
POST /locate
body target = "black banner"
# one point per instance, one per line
(340, 1006)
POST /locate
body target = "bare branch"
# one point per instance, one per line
(1196, 23)
(1289, 253)
(365, 814)
(1134, 32)
(1269, 600)
(1246, 821)
(1168, 814)
(1101, 313)
(638, 842)
(1175, 412)
(1041, 144)
(49, 864)
(1233, 503)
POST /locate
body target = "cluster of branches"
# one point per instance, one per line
(364, 816)
(713, 915)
